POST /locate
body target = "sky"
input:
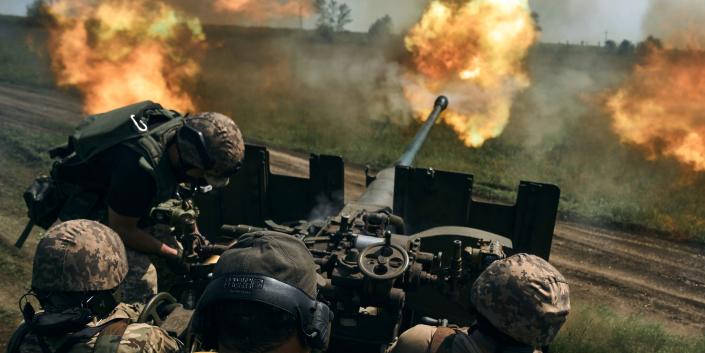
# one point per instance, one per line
(588, 20)
(561, 20)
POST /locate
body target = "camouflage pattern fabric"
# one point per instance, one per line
(137, 337)
(79, 256)
(224, 144)
(523, 296)
(141, 281)
(414, 340)
(418, 340)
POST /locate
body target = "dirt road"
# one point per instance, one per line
(633, 273)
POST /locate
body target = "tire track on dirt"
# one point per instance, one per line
(634, 273)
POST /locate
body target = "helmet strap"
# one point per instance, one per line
(101, 304)
(183, 167)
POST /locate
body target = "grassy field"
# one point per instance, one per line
(297, 92)
(335, 98)
(597, 329)
(344, 98)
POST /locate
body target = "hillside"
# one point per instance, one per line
(302, 94)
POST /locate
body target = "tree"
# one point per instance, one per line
(38, 13)
(325, 18)
(535, 17)
(332, 17)
(611, 46)
(343, 17)
(650, 44)
(625, 48)
(381, 28)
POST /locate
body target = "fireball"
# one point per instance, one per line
(117, 52)
(473, 52)
(662, 106)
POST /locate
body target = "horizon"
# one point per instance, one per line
(561, 23)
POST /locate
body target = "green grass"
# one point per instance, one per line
(23, 156)
(23, 58)
(558, 132)
(596, 329)
(302, 94)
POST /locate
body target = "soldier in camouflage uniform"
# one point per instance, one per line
(120, 164)
(77, 268)
(521, 303)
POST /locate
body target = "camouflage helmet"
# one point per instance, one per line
(224, 146)
(79, 256)
(523, 296)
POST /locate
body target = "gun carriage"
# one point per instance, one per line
(406, 252)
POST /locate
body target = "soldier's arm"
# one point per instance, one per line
(136, 238)
(143, 338)
(414, 340)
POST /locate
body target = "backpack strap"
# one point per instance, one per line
(77, 337)
(13, 346)
(442, 340)
(109, 338)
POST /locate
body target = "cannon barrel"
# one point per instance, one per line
(381, 191)
(412, 150)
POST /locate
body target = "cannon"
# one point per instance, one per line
(406, 252)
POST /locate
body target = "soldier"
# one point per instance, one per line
(119, 164)
(263, 299)
(521, 303)
(77, 268)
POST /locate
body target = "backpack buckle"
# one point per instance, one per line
(139, 125)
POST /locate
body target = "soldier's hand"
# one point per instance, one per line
(177, 264)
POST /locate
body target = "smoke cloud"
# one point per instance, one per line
(271, 13)
(677, 22)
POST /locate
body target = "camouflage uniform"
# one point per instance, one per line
(522, 296)
(75, 258)
(419, 339)
(137, 337)
(141, 281)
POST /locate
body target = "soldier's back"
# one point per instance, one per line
(134, 337)
(137, 338)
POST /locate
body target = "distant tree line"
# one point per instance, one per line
(626, 47)
(334, 15)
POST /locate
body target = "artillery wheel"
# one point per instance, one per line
(382, 261)
(151, 309)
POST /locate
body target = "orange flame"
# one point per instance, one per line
(473, 53)
(117, 52)
(662, 106)
(264, 10)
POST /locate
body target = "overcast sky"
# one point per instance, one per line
(561, 20)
